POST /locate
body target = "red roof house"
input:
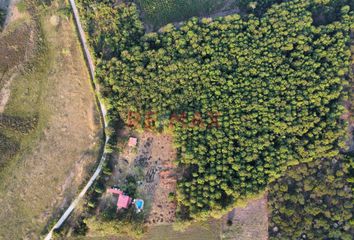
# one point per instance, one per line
(123, 201)
(115, 191)
(132, 142)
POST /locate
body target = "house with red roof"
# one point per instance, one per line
(132, 142)
(123, 201)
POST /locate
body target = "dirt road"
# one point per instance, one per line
(103, 114)
(52, 160)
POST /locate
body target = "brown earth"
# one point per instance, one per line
(160, 177)
(248, 223)
(151, 163)
(209, 230)
(49, 172)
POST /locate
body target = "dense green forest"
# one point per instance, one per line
(313, 201)
(251, 95)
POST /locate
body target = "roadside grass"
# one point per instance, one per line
(160, 12)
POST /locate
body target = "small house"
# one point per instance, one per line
(132, 142)
(123, 201)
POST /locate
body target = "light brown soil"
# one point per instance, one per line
(248, 223)
(154, 156)
(160, 177)
(5, 92)
(198, 231)
(48, 176)
(348, 115)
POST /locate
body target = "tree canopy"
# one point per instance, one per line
(252, 95)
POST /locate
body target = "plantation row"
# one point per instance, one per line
(276, 83)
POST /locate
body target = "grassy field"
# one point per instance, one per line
(210, 230)
(49, 129)
(207, 231)
(160, 12)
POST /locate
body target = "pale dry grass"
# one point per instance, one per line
(249, 222)
(54, 159)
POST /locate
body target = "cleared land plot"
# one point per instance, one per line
(151, 163)
(160, 176)
(54, 158)
(201, 231)
(248, 223)
(160, 12)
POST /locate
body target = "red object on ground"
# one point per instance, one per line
(132, 142)
(123, 201)
(115, 191)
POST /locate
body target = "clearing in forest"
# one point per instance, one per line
(151, 164)
(247, 223)
(157, 13)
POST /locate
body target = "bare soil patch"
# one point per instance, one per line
(151, 163)
(198, 231)
(348, 116)
(5, 92)
(248, 223)
(160, 176)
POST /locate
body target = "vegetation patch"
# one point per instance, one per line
(18, 124)
(16, 46)
(159, 13)
(52, 87)
(246, 97)
(313, 201)
(8, 149)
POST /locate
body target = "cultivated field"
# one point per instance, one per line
(52, 159)
(151, 164)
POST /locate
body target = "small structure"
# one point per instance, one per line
(124, 201)
(132, 142)
(115, 191)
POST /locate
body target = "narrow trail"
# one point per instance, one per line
(103, 113)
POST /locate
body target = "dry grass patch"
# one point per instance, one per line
(247, 223)
(54, 158)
